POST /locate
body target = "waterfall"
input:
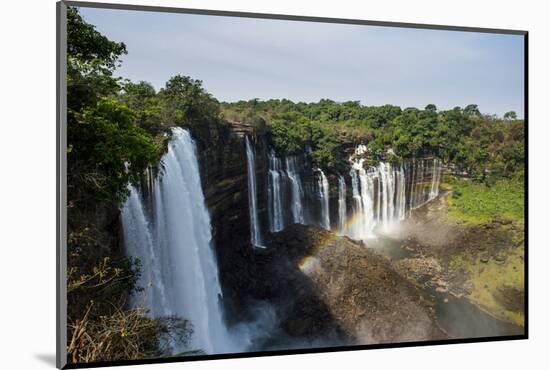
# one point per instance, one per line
(285, 191)
(355, 231)
(382, 196)
(420, 194)
(367, 195)
(386, 194)
(324, 197)
(436, 177)
(255, 232)
(293, 174)
(401, 194)
(342, 211)
(362, 184)
(180, 273)
(275, 196)
(139, 243)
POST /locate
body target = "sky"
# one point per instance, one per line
(244, 58)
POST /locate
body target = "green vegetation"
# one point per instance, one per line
(479, 203)
(485, 147)
(497, 285)
(115, 131)
(498, 279)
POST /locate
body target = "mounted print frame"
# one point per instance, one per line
(237, 184)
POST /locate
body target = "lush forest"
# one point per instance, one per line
(118, 128)
(463, 137)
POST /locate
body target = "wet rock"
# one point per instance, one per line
(468, 287)
(484, 259)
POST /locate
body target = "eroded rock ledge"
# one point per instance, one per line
(336, 285)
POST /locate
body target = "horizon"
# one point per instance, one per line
(241, 59)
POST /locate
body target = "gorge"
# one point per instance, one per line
(168, 226)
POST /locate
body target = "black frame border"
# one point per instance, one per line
(61, 214)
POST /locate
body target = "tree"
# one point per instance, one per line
(105, 147)
(143, 100)
(431, 108)
(185, 102)
(472, 110)
(511, 115)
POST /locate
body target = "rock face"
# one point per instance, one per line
(222, 160)
(367, 297)
(351, 290)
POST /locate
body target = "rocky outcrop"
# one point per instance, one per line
(336, 285)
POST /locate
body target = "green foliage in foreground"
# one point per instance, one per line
(112, 137)
(479, 203)
(105, 147)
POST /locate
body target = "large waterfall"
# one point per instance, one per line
(324, 197)
(255, 232)
(381, 195)
(285, 191)
(173, 242)
(293, 173)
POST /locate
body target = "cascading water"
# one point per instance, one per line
(366, 183)
(324, 197)
(401, 194)
(380, 197)
(255, 232)
(140, 244)
(342, 209)
(275, 195)
(419, 193)
(436, 177)
(285, 191)
(293, 174)
(180, 271)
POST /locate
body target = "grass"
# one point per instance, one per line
(478, 203)
(490, 277)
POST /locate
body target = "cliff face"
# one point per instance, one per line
(224, 176)
(223, 162)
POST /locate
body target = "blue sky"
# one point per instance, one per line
(243, 58)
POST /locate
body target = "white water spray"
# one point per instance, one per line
(180, 271)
